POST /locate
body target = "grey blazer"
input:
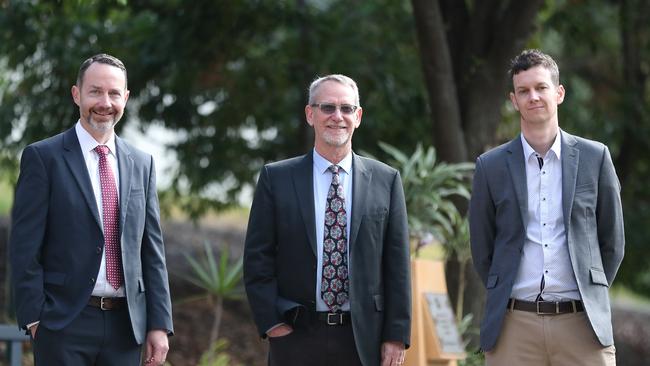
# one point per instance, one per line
(593, 220)
(280, 251)
(57, 241)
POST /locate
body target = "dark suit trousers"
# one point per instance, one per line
(316, 344)
(95, 337)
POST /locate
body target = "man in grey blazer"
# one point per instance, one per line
(321, 299)
(86, 248)
(547, 238)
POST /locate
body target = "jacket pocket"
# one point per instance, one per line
(598, 277)
(379, 302)
(54, 278)
(492, 281)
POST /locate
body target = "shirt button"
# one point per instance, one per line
(546, 271)
(545, 245)
(544, 199)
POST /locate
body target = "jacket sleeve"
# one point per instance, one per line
(29, 223)
(482, 224)
(259, 257)
(154, 269)
(397, 277)
(609, 218)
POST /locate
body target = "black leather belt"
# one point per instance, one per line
(343, 318)
(107, 303)
(547, 307)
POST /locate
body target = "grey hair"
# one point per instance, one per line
(313, 88)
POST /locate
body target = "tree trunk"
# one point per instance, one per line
(439, 78)
(634, 36)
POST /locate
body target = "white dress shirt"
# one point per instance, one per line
(88, 144)
(322, 182)
(545, 251)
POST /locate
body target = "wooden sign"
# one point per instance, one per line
(435, 339)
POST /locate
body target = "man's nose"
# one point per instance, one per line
(337, 115)
(534, 95)
(104, 100)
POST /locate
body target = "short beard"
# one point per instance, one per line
(102, 126)
(336, 141)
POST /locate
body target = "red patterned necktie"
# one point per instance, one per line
(335, 284)
(111, 219)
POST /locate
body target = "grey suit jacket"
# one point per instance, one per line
(280, 254)
(593, 220)
(56, 239)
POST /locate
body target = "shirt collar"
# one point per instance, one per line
(88, 143)
(323, 164)
(556, 148)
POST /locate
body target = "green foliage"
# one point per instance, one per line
(229, 78)
(467, 330)
(219, 280)
(216, 355)
(429, 186)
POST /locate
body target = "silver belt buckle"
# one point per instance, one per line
(336, 321)
(557, 308)
(101, 303)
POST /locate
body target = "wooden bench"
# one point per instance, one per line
(13, 337)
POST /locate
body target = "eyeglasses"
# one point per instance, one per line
(330, 108)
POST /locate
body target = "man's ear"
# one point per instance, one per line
(309, 115)
(513, 100)
(76, 95)
(560, 94)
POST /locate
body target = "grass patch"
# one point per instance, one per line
(434, 252)
(6, 197)
(624, 294)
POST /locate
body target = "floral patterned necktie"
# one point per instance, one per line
(111, 219)
(335, 284)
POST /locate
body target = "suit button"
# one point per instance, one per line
(92, 280)
(99, 250)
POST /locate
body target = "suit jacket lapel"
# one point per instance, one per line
(125, 166)
(570, 158)
(73, 156)
(303, 183)
(361, 177)
(517, 168)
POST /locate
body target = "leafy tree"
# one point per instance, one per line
(229, 78)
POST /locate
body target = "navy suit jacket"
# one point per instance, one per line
(56, 239)
(593, 221)
(280, 254)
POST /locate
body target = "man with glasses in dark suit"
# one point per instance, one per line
(326, 262)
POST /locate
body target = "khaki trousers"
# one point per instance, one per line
(548, 340)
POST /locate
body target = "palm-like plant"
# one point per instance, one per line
(429, 186)
(220, 281)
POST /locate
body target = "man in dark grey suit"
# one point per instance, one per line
(547, 238)
(320, 298)
(87, 256)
